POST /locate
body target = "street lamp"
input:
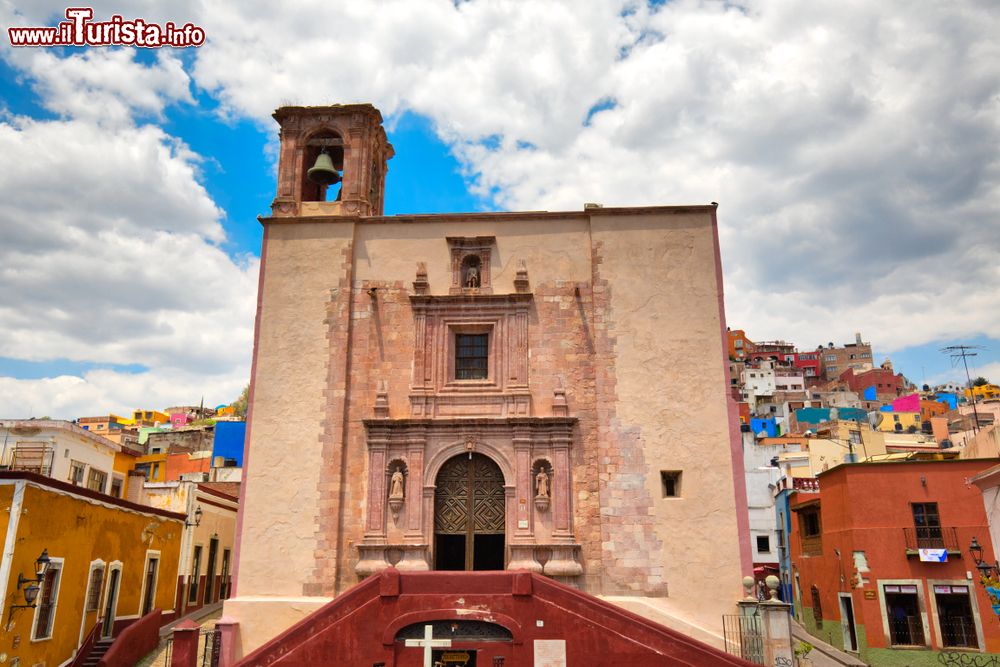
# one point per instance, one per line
(31, 586)
(197, 518)
(985, 569)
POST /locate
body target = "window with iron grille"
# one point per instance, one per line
(927, 522)
(94, 589)
(472, 356)
(46, 605)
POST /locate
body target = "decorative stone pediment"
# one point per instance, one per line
(440, 321)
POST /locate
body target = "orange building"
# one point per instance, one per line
(930, 409)
(880, 560)
(739, 345)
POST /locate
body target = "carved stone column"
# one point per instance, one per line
(562, 528)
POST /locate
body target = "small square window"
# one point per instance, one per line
(472, 356)
(763, 544)
(671, 482)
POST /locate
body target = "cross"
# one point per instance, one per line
(428, 642)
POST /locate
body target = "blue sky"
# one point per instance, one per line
(149, 247)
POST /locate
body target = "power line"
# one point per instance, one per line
(963, 352)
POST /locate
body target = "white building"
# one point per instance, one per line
(60, 450)
(762, 474)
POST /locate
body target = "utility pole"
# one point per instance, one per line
(963, 352)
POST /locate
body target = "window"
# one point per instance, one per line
(866, 355)
(195, 572)
(810, 531)
(94, 588)
(117, 484)
(471, 356)
(671, 482)
(763, 544)
(149, 583)
(76, 470)
(97, 481)
(830, 357)
(738, 344)
(902, 608)
(927, 523)
(958, 629)
(45, 611)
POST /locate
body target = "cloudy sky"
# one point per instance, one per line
(852, 146)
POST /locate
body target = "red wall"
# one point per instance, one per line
(178, 464)
(864, 507)
(359, 627)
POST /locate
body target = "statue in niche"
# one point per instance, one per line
(472, 276)
(542, 484)
(396, 484)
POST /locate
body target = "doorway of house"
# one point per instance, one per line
(110, 602)
(958, 629)
(469, 514)
(847, 621)
(906, 626)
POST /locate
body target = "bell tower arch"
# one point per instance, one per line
(332, 161)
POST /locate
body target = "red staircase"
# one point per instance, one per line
(525, 611)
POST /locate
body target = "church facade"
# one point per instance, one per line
(538, 391)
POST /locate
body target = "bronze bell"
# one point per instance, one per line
(323, 172)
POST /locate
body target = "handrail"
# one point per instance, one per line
(134, 642)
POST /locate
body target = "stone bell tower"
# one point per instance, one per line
(351, 182)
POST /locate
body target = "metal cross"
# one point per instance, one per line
(428, 642)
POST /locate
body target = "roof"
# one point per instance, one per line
(33, 426)
(66, 488)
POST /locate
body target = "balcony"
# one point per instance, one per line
(29, 458)
(807, 484)
(932, 537)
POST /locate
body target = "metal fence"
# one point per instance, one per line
(959, 632)
(209, 648)
(744, 637)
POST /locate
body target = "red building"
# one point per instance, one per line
(884, 380)
(880, 560)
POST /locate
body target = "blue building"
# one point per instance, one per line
(228, 442)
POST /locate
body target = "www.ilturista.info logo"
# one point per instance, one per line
(79, 30)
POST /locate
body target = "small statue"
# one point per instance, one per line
(472, 277)
(542, 484)
(396, 484)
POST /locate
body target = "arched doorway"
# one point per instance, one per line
(469, 513)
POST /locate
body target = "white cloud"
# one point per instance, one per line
(852, 146)
(115, 261)
(105, 86)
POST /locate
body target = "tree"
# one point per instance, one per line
(240, 404)
(980, 381)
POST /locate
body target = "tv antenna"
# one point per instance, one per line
(963, 352)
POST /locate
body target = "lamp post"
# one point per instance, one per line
(197, 518)
(985, 569)
(32, 587)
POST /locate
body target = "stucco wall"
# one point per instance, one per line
(670, 399)
(625, 314)
(304, 262)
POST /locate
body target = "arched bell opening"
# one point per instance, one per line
(322, 167)
(469, 514)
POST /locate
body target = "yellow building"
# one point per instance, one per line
(110, 562)
(153, 465)
(983, 392)
(150, 418)
(890, 422)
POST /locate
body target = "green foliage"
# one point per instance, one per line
(980, 381)
(240, 404)
(802, 649)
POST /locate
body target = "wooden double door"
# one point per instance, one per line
(469, 514)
